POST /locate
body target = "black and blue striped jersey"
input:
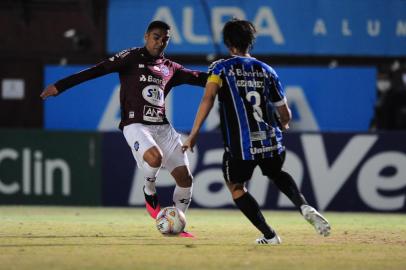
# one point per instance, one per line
(248, 94)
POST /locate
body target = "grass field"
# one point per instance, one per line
(126, 238)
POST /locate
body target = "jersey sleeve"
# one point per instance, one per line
(277, 92)
(110, 65)
(118, 61)
(215, 70)
(183, 75)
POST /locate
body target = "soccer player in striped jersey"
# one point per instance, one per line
(253, 114)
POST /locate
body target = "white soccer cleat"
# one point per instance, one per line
(276, 240)
(316, 219)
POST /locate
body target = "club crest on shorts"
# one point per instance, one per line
(136, 146)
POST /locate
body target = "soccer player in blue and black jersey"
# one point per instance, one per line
(253, 112)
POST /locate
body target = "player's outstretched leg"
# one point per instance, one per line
(250, 208)
(152, 204)
(285, 183)
(182, 194)
(150, 174)
(319, 223)
(181, 199)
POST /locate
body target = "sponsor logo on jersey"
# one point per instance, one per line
(264, 149)
(262, 135)
(141, 65)
(131, 115)
(151, 79)
(153, 114)
(245, 73)
(154, 95)
(155, 80)
(121, 54)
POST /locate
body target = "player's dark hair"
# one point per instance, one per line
(158, 25)
(239, 34)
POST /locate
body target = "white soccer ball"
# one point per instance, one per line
(170, 221)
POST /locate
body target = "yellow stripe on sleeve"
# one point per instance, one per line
(216, 79)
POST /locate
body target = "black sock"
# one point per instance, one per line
(287, 185)
(249, 206)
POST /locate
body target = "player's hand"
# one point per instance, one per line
(189, 144)
(50, 90)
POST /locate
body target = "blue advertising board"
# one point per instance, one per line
(311, 27)
(79, 108)
(335, 172)
(321, 99)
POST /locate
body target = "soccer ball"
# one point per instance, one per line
(170, 221)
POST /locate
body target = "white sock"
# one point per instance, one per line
(182, 197)
(150, 174)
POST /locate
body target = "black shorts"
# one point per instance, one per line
(240, 171)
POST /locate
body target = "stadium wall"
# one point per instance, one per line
(285, 27)
(35, 33)
(49, 168)
(318, 97)
(335, 171)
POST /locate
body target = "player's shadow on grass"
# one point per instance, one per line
(145, 241)
(71, 236)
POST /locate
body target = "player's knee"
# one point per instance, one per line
(188, 180)
(276, 175)
(153, 158)
(236, 190)
(182, 176)
(185, 180)
(154, 161)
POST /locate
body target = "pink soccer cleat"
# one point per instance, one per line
(186, 235)
(152, 204)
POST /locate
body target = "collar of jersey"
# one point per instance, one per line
(233, 55)
(149, 56)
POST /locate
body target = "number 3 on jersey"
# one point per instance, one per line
(256, 105)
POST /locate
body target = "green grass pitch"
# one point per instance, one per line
(126, 238)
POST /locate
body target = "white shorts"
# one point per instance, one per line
(142, 137)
